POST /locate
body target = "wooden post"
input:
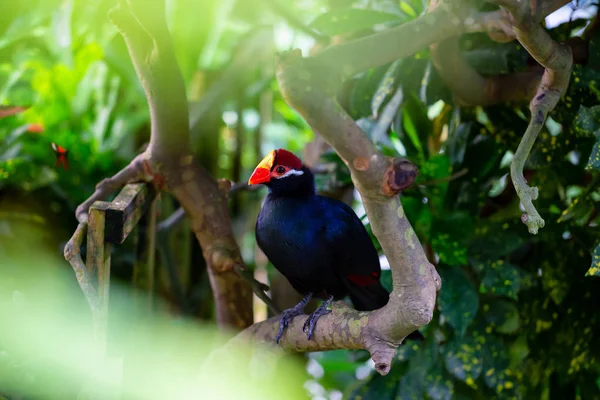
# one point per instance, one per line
(110, 223)
(98, 267)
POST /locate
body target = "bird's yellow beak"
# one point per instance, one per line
(262, 172)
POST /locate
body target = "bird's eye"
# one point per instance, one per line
(280, 170)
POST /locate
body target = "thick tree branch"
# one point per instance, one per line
(383, 47)
(471, 88)
(466, 83)
(308, 85)
(168, 163)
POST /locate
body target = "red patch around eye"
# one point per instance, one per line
(375, 274)
(288, 159)
(361, 280)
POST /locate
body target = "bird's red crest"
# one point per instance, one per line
(288, 159)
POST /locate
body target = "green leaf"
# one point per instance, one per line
(345, 20)
(458, 299)
(407, 9)
(503, 315)
(501, 279)
(386, 279)
(385, 88)
(595, 267)
(463, 359)
(494, 240)
(416, 124)
(594, 161)
(579, 208)
(449, 236)
(456, 145)
(587, 121)
(439, 385)
(495, 360)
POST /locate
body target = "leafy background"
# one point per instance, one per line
(517, 314)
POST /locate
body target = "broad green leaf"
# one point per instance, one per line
(502, 315)
(494, 240)
(407, 9)
(458, 299)
(595, 267)
(456, 145)
(386, 279)
(439, 385)
(463, 359)
(500, 278)
(587, 121)
(386, 87)
(495, 360)
(416, 124)
(345, 20)
(379, 387)
(411, 385)
(449, 237)
(407, 351)
(594, 161)
(361, 89)
(579, 208)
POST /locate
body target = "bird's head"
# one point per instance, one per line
(284, 174)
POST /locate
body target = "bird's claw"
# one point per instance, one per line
(289, 314)
(286, 318)
(311, 321)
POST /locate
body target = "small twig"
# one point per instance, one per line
(73, 256)
(178, 215)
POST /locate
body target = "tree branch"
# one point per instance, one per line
(471, 88)
(381, 48)
(466, 83)
(167, 162)
(557, 60)
(308, 85)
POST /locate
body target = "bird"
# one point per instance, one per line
(318, 243)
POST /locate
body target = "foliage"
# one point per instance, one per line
(516, 317)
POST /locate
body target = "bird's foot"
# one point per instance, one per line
(311, 321)
(289, 314)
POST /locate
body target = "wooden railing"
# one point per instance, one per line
(110, 224)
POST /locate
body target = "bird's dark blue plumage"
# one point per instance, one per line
(321, 246)
(318, 243)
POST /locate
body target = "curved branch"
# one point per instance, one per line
(383, 47)
(471, 88)
(308, 85)
(557, 59)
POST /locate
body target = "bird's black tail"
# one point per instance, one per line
(373, 297)
(368, 298)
